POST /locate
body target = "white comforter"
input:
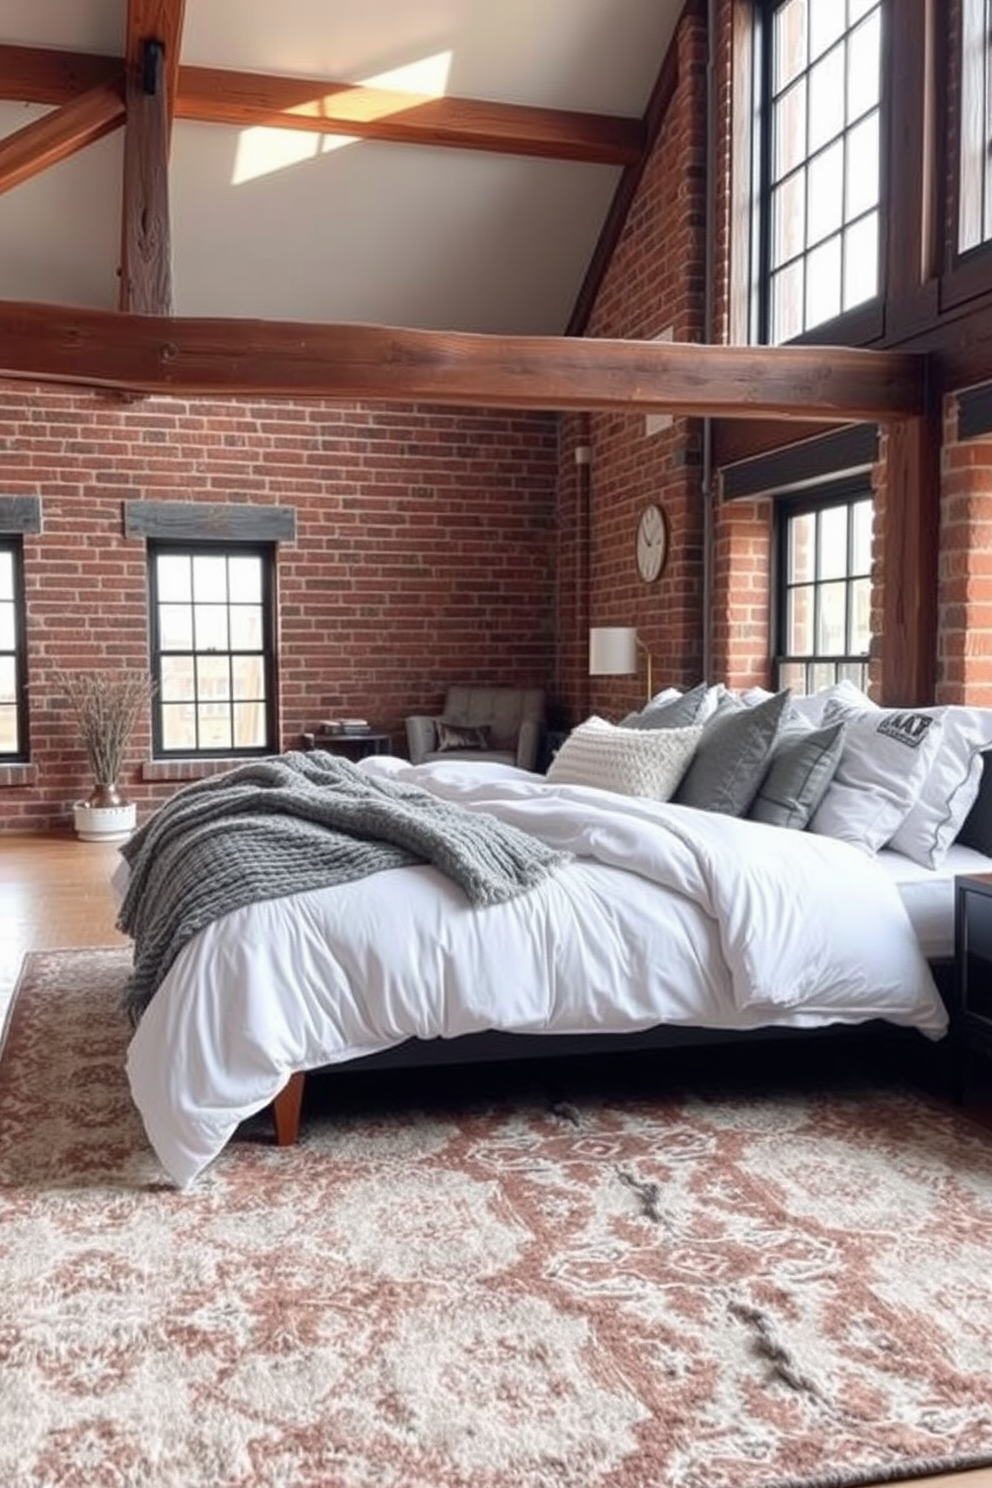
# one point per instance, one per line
(666, 915)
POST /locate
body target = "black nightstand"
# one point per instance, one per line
(971, 1015)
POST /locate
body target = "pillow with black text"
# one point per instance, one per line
(887, 755)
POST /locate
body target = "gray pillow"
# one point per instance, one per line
(802, 767)
(732, 757)
(678, 712)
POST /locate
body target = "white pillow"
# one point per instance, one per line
(888, 754)
(950, 789)
(632, 762)
(812, 706)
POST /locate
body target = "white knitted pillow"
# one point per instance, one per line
(632, 762)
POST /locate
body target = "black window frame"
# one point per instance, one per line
(266, 553)
(860, 323)
(15, 547)
(842, 493)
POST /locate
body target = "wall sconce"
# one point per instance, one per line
(613, 652)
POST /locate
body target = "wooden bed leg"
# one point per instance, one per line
(286, 1111)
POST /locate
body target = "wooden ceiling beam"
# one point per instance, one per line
(246, 99)
(61, 133)
(214, 357)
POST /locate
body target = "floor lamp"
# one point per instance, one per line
(613, 652)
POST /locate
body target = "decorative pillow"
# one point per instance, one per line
(950, 789)
(677, 712)
(632, 762)
(887, 755)
(802, 767)
(461, 736)
(812, 706)
(732, 756)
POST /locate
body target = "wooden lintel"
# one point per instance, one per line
(63, 132)
(253, 358)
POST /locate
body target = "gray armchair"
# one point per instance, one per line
(513, 720)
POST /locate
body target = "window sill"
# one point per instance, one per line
(187, 769)
(18, 775)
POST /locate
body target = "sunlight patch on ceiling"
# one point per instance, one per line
(262, 150)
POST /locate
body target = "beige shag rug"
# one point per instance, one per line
(709, 1288)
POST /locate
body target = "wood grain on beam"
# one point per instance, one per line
(217, 96)
(386, 364)
(909, 599)
(57, 135)
(146, 238)
(160, 20)
(40, 75)
(220, 96)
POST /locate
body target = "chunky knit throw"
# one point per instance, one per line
(293, 823)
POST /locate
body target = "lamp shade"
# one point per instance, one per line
(612, 651)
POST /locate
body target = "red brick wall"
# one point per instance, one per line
(964, 613)
(425, 553)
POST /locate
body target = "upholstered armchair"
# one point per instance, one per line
(482, 723)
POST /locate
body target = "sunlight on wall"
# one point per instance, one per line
(262, 151)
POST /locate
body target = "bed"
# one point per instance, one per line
(656, 922)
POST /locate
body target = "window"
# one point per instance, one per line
(212, 649)
(819, 162)
(824, 590)
(975, 178)
(13, 657)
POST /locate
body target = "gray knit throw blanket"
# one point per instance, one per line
(297, 822)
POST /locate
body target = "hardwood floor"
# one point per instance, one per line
(55, 892)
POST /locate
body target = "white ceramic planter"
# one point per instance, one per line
(104, 823)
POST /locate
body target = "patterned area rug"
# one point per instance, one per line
(714, 1288)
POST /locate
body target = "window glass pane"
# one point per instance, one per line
(8, 729)
(211, 627)
(789, 43)
(832, 552)
(826, 193)
(831, 633)
(860, 638)
(213, 677)
(787, 301)
(249, 725)
(826, 23)
(823, 283)
(245, 579)
(861, 515)
(214, 726)
(826, 99)
(175, 627)
(859, 8)
(792, 674)
(789, 139)
(861, 261)
(8, 632)
(178, 727)
(821, 674)
(789, 217)
(864, 67)
(853, 671)
(178, 680)
(246, 628)
(8, 680)
(174, 578)
(6, 575)
(248, 676)
(209, 578)
(802, 548)
(799, 625)
(862, 167)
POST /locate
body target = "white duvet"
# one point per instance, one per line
(665, 915)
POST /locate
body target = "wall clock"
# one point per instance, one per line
(652, 542)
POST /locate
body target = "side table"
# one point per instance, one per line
(971, 1015)
(354, 745)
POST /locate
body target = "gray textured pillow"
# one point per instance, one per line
(802, 767)
(679, 712)
(732, 757)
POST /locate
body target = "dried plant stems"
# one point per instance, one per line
(107, 705)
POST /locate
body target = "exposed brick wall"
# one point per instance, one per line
(964, 613)
(655, 280)
(425, 553)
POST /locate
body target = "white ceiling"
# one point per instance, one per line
(292, 225)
